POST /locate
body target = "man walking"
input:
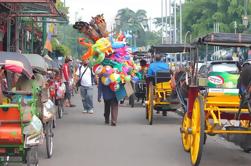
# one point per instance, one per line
(84, 73)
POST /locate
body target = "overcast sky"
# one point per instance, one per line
(86, 8)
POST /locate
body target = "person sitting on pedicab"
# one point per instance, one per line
(156, 66)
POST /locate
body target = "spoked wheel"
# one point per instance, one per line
(54, 123)
(60, 109)
(150, 104)
(185, 136)
(245, 124)
(197, 131)
(32, 156)
(49, 139)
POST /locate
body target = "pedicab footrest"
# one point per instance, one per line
(242, 140)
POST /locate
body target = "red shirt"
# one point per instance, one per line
(66, 72)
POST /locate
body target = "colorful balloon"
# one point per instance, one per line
(97, 69)
(127, 78)
(114, 86)
(105, 80)
(96, 59)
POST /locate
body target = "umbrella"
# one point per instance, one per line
(37, 62)
(15, 62)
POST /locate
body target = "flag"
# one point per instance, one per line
(48, 44)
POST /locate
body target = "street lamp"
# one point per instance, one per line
(245, 21)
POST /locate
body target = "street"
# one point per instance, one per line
(84, 139)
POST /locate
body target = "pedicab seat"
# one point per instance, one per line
(162, 76)
(159, 77)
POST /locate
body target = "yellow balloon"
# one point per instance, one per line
(112, 77)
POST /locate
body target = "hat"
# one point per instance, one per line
(67, 59)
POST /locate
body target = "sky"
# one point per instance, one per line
(85, 9)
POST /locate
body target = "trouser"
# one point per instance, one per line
(111, 106)
(87, 97)
(67, 91)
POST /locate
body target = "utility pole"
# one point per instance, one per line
(170, 21)
(162, 20)
(181, 22)
(166, 21)
(175, 23)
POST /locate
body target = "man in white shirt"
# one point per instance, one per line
(84, 73)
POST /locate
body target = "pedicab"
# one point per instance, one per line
(46, 106)
(159, 88)
(139, 86)
(213, 103)
(56, 86)
(20, 127)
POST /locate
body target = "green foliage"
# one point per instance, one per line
(199, 16)
(61, 8)
(136, 23)
(69, 37)
(63, 50)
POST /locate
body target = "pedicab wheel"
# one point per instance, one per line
(54, 123)
(185, 136)
(131, 100)
(49, 139)
(197, 131)
(32, 156)
(246, 150)
(150, 104)
(60, 109)
(146, 111)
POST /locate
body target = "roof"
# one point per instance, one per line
(140, 53)
(29, 8)
(172, 48)
(226, 39)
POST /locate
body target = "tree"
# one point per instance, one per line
(199, 16)
(133, 22)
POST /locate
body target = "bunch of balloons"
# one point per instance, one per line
(107, 55)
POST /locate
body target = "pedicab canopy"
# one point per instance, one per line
(52, 65)
(171, 48)
(37, 62)
(226, 39)
(15, 62)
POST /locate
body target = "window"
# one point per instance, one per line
(224, 67)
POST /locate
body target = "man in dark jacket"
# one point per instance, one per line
(111, 103)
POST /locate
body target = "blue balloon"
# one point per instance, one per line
(116, 45)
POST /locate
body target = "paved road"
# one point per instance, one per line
(84, 140)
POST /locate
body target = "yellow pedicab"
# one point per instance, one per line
(159, 88)
(213, 102)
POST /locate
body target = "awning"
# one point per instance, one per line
(29, 8)
(172, 48)
(226, 39)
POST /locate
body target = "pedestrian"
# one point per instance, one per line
(110, 103)
(66, 74)
(84, 73)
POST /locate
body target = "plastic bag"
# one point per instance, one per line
(49, 106)
(61, 91)
(35, 127)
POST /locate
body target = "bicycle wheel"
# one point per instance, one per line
(60, 109)
(49, 139)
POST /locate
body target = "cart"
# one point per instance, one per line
(45, 106)
(18, 111)
(159, 88)
(213, 104)
(54, 84)
(139, 87)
